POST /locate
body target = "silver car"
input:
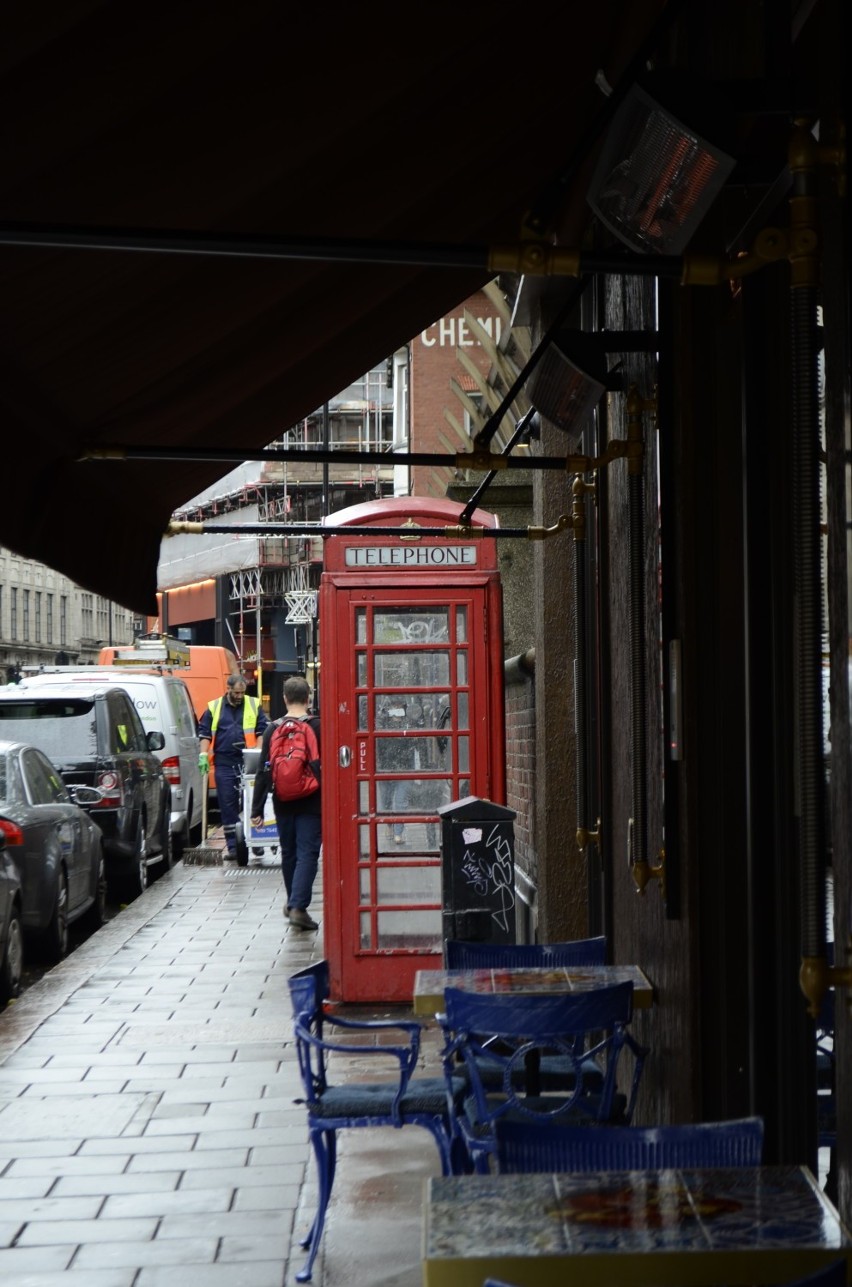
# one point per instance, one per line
(55, 846)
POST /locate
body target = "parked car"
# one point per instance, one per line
(94, 736)
(11, 929)
(56, 847)
(163, 703)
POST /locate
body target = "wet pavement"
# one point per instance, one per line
(147, 1126)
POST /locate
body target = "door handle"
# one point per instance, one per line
(344, 756)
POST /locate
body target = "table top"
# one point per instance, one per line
(630, 1228)
(429, 985)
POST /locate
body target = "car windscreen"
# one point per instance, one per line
(63, 729)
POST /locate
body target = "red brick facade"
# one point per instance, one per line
(435, 366)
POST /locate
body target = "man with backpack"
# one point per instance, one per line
(290, 769)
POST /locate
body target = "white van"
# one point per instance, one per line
(164, 706)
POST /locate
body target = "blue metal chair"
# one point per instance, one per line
(530, 1146)
(404, 1101)
(575, 1028)
(462, 955)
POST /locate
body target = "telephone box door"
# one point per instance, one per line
(409, 716)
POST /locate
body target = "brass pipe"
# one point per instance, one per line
(816, 976)
(617, 449)
(192, 527)
(585, 837)
(644, 872)
(542, 533)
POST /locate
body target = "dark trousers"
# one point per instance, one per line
(229, 792)
(301, 836)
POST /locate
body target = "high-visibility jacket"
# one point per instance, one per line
(250, 709)
(250, 705)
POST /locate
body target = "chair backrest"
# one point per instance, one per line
(308, 989)
(462, 955)
(575, 1027)
(537, 1015)
(529, 1146)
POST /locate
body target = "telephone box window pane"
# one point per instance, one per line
(363, 797)
(429, 794)
(361, 677)
(461, 667)
(412, 885)
(408, 839)
(464, 717)
(387, 848)
(393, 796)
(365, 936)
(461, 625)
(411, 625)
(421, 930)
(412, 710)
(362, 713)
(404, 754)
(421, 669)
(364, 839)
(361, 625)
(464, 788)
(364, 886)
(464, 755)
(438, 710)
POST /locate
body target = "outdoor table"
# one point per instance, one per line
(429, 985)
(749, 1225)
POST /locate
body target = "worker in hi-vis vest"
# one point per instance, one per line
(229, 724)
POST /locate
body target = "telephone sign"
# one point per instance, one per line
(411, 649)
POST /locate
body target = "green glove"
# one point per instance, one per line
(204, 762)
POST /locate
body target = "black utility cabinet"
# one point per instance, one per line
(478, 871)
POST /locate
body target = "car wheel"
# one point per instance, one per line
(167, 845)
(134, 878)
(95, 917)
(56, 933)
(12, 965)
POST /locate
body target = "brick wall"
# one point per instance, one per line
(520, 791)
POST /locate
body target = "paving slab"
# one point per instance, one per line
(147, 1122)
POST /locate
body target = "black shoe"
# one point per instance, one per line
(301, 919)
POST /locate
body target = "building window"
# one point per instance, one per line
(38, 616)
(50, 618)
(26, 614)
(13, 613)
(87, 615)
(63, 620)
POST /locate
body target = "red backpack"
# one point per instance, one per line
(293, 752)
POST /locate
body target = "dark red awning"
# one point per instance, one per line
(255, 121)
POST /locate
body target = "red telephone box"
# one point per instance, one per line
(412, 709)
